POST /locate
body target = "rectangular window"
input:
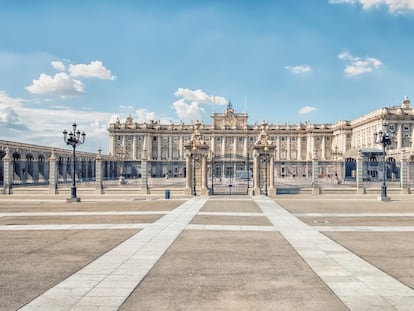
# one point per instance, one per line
(283, 138)
(175, 139)
(406, 128)
(165, 139)
(129, 138)
(240, 139)
(391, 127)
(118, 137)
(293, 138)
(251, 139)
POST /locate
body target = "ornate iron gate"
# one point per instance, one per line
(230, 175)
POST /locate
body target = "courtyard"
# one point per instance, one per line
(291, 252)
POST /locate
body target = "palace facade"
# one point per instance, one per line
(231, 143)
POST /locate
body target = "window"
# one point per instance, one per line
(118, 137)
(140, 138)
(175, 139)
(240, 139)
(218, 139)
(251, 138)
(165, 139)
(406, 128)
(283, 138)
(129, 138)
(293, 138)
(391, 127)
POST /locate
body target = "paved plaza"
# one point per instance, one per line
(207, 253)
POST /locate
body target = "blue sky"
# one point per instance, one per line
(285, 61)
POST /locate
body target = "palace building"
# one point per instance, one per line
(231, 142)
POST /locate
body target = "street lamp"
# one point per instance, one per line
(383, 138)
(75, 139)
(121, 152)
(212, 173)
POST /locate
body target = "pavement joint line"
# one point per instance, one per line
(135, 256)
(230, 228)
(108, 213)
(235, 214)
(353, 214)
(46, 227)
(354, 277)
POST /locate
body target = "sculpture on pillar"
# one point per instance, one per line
(196, 167)
(263, 164)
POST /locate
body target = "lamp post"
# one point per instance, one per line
(383, 138)
(75, 139)
(336, 155)
(212, 173)
(121, 153)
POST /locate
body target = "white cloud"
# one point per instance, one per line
(145, 116)
(299, 69)
(394, 6)
(189, 108)
(95, 69)
(307, 109)
(58, 65)
(200, 97)
(7, 100)
(188, 112)
(357, 66)
(10, 119)
(61, 85)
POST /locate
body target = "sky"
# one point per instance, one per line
(91, 62)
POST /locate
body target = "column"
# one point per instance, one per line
(180, 147)
(159, 138)
(399, 136)
(7, 173)
(189, 172)
(204, 175)
(309, 149)
(288, 148)
(256, 188)
(53, 174)
(277, 148)
(272, 190)
(98, 172)
(170, 144)
(359, 175)
(245, 146)
(323, 143)
(223, 145)
(134, 147)
(315, 172)
(299, 149)
(404, 174)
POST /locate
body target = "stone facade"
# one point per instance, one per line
(231, 143)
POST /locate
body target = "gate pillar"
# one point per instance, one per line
(263, 164)
(196, 163)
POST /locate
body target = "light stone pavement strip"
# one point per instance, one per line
(230, 228)
(201, 227)
(365, 228)
(357, 283)
(72, 227)
(112, 213)
(353, 214)
(108, 281)
(237, 214)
